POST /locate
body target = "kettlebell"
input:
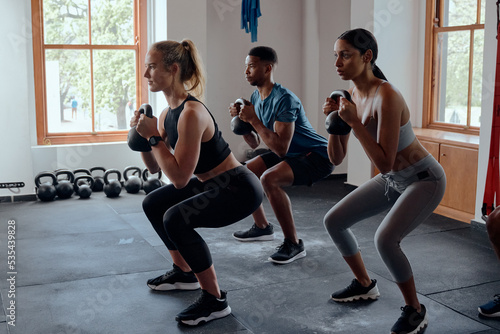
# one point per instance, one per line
(77, 173)
(133, 183)
(83, 185)
(98, 180)
(238, 126)
(135, 141)
(150, 183)
(46, 191)
(64, 187)
(113, 187)
(334, 124)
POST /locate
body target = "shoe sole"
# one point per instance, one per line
(214, 315)
(269, 237)
(175, 286)
(420, 327)
(491, 315)
(296, 257)
(373, 296)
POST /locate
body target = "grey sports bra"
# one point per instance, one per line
(406, 134)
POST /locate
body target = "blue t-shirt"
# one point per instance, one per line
(283, 105)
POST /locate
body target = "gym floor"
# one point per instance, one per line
(82, 266)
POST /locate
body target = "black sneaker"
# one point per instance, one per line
(410, 321)
(205, 309)
(492, 308)
(355, 291)
(175, 279)
(288, 252)
(255, 234)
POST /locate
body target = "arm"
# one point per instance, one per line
(337, 148)
(179, 166)
(278, 140)
(388, 109)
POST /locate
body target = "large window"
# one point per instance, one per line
(454, 64)
(88, 59)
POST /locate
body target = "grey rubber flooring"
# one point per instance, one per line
(81, 267)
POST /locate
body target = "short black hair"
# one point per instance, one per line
(265, 53)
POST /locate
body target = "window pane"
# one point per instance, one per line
(65, 22)
(114, 87)
(67, 76)
(453, 76)
(459, 12)
(477, 78)
(483, 9)
(112, 22)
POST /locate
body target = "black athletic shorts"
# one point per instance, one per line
(307, 168)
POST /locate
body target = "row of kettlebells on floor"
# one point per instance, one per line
(63, 183)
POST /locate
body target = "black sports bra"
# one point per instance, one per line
(212, 152)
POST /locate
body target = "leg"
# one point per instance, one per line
(493, 228)
(221, 202)
(208, 281)
(365, 201)
(358, 268)
(273, 180)
(258, 167)
(157, 203)
(412, 207)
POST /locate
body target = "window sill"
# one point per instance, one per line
(447, 137)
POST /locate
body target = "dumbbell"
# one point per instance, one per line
(334, 124)
(134, 140)
(238, 126)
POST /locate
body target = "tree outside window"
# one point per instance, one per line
(88, 74)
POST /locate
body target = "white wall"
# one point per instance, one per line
(319, 76)
(228, 46)
(359, 167)
(16, 91)
(489, 65)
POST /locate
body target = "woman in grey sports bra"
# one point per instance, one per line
(411, 183)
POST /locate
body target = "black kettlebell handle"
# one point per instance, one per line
(340, 93)
(82, 171)
(68, 173)
(145, 174)
(97, 168)
(146, 109)
(112, 171)
(128, 169)
(240, 101)
(89, 178)
(45, 174)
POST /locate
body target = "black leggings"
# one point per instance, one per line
(220, 201)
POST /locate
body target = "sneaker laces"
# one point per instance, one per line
(354, 284)
(496, 299)
(408, 310)
(286, 245)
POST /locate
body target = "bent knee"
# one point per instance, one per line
(386, 243)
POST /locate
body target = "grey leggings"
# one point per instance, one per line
(412, 194)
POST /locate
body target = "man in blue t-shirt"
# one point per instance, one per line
(298, 154)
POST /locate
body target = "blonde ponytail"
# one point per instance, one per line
(186, 55)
